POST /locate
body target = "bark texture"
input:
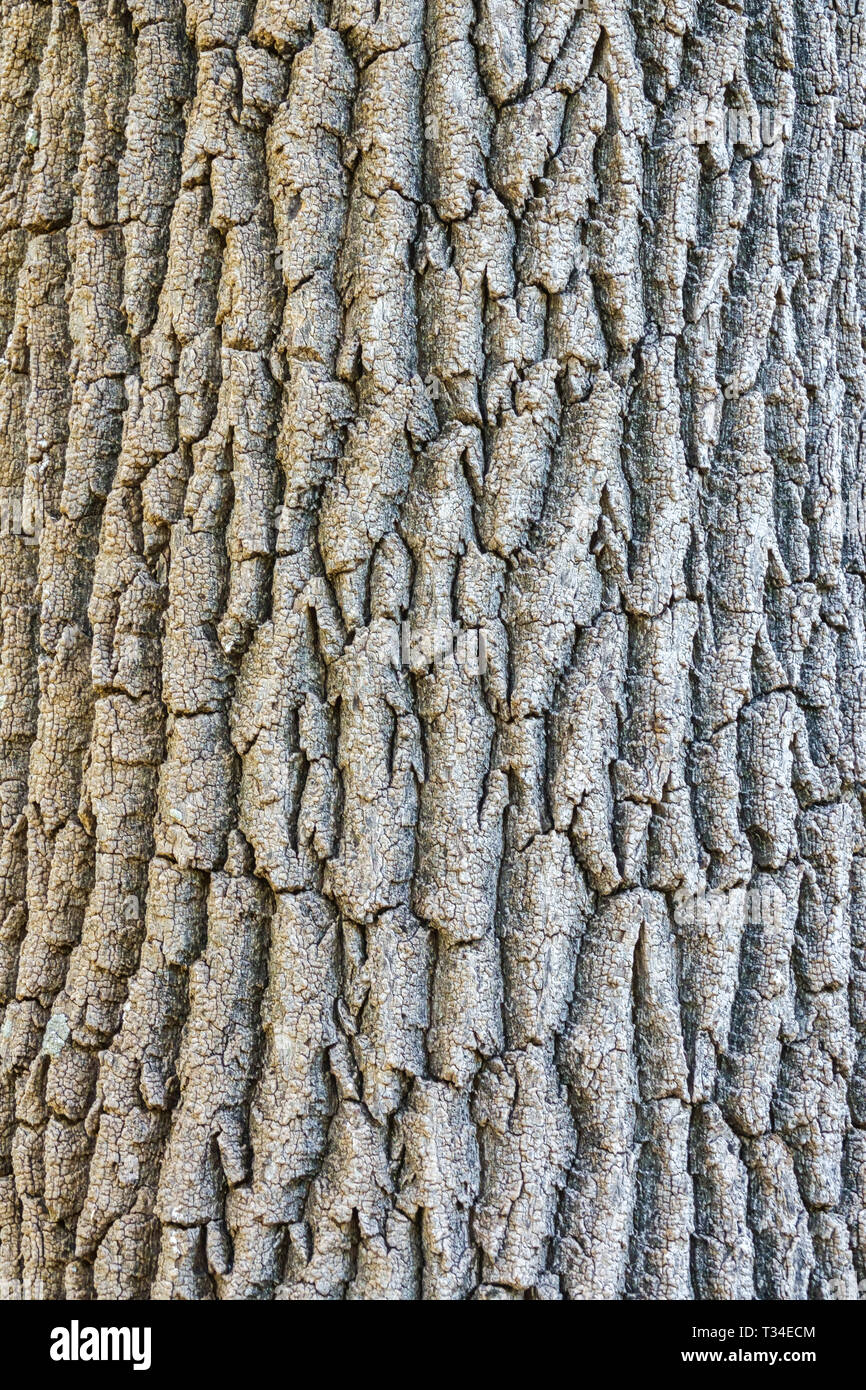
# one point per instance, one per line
(432, 708)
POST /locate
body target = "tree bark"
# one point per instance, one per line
(433, 860)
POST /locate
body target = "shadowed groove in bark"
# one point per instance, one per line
(342, 343)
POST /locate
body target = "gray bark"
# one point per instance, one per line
(432, 743)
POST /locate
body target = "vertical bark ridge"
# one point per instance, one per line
(47, 341)
(25, 32)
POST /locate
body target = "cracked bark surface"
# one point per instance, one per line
(432, 643)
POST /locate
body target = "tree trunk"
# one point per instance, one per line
(433, 861)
